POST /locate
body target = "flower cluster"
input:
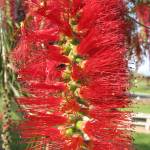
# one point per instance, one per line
(71, 63)
(142, 11)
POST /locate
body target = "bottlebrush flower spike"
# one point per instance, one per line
(71, 62)
(143, 12)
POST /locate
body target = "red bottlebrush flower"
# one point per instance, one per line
(77, 73)
(42, 104)
(42, 35)
(2, 3)
(76, 143)
(54, 53)
(71, 62)
(77, 6)
(58, 13)
(142, 11)
(71, 105)
(1, 116)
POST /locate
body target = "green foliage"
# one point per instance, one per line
(142, 141)
(139, 108)
(8, 85)
(140, 85)
(144, 108)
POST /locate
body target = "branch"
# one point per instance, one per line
(141, 24)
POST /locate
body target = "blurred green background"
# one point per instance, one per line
(141, 86)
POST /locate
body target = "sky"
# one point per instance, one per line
(144, 68)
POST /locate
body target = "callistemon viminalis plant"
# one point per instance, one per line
(71, 62)
(8, 85)
(143, 13)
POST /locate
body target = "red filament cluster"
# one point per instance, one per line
(72, 66)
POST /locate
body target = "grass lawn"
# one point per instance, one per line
(142, 141)
(140, 85)
(140, 107)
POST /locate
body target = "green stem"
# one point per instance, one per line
(6, 108)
